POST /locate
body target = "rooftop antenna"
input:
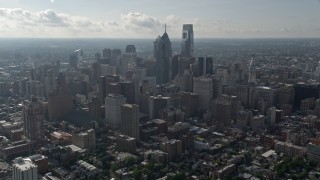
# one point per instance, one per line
(165, 28)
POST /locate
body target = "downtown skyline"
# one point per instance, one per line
(143, 19)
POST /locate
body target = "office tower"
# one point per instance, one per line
(285, 94)
(128, 90)
(241, 91)
(126, 143)
(102, 88)
(113, 111)
(225, 109)
(187, 46)
(273, 116)
(243, 119)
(157, 103)
(116, 58)
(128, 62)
(203, 86)
(97, 56)
(163, 55)
(140, 73)
(205, 66)
(49, 82)
(95, 71)
(201, 66)
(173, 147)
(252, 71)
(174, 65)
(60, 102)
(189, 104)
(106, 53)
(4, 89)
(73, 61)
(33, 116)
(130, 49)
(34, 88)
(106, 69)
(112, 84)
(85, 139)
(317, 108)
(306, 105)
(95, 107)
(130, 120)
(41, 161)
(184, 64)
(75, 58)
(24, 169)
(263, 98)
(79, 86)
(257, 122)
(184, 81)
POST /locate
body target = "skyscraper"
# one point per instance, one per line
(128, 62)
(130, 49)
(130, 120)
(33, 116)
(75, 58)
(163, 55)
(112, 110)
(24, 168)
(187, 46)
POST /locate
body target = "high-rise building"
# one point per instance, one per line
(85, 139)
(173, 147)
(116, 58)
(184, 81)
(128, 90)
(113, 111)
(184, 63)
(187, 46)
(106, 53)
(130, 120)
(243, 119)
(33, 116)
(189, 104)
(126, 143)
(203, 86)
(130, 49)
(205, 66)
(225, 109)
(24, 169)
(49, 82)
(95, 107)
(4, 89)
(60, 102)
(75, 58)
(157, 103)
(128, 62)
(163, 55)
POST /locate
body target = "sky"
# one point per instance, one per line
(146, 18)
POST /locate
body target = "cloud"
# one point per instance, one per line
(16, 22)
(140, 22)
(46, 23)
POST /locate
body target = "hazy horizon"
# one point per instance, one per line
(145, 19)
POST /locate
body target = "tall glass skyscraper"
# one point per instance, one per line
(187, 45)
(163, 55)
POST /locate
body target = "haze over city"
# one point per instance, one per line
(141, 19)
(159, 90)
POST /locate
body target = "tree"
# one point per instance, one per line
(129, 161)
(179, 176)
